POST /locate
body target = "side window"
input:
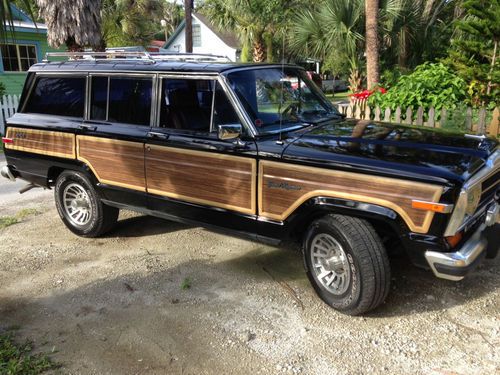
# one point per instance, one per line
(186, 104)
(121, 99)
(62, 96)
(224, 113)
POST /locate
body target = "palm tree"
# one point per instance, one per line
(332, 30)
(372, 45)
(74, 23)
(130, 22)
(259, 23)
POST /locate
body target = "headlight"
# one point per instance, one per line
(473, 198)
(467, 203)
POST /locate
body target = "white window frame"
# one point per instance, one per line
(18, 55)
(198, 37)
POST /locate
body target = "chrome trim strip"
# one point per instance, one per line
(462, 258)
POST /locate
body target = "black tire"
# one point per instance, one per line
(366, 283)
(98, 217)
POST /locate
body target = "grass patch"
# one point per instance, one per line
(7, 221)
(186, 284)
(17, 359)
(25, 212)
(338, 96)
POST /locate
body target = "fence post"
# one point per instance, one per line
(420, 116)
(493, 128)
(377, 113)
(430, 121)
(409, 116)
(398, 115)
(468, 119)
(481, 125)
(387, 115)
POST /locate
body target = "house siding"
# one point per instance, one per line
(210, 43)
(14, 81)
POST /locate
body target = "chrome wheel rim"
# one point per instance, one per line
(330, 263)
(77, 204)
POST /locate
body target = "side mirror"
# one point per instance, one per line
(229, 131)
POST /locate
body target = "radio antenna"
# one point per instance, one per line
(280, 141)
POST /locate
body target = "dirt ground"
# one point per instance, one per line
(116, 305)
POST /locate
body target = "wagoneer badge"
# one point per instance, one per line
(282, 185)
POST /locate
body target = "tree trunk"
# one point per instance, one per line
(372, 45)
(259, 49)
(189, 25)
(73, 46)
(493, 61)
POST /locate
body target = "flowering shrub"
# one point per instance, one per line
(365, 94)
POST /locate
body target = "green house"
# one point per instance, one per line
(24, 47)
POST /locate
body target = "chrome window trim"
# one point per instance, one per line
(153, 76)
(457, 220)
(244, 119)
(55, 74)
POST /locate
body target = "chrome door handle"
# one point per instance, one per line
(87, 127)
(158, 135)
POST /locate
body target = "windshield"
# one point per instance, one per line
(280, 98)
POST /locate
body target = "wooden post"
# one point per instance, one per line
(468, 119)
(481, 125)
(409, 116)
(430, 122)
(493, 128)
(398, 115)
(420, 116)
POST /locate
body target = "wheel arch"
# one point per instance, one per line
(386, 222)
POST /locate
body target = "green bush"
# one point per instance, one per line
(429, 85)
(2, 89)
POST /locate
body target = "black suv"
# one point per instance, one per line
(258, 150)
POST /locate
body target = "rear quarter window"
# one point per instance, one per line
(61, 96)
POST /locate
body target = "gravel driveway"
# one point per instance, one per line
(121, 305)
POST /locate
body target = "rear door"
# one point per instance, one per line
(189, 171)
(111, 139)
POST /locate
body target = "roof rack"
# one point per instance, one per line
(143, 56)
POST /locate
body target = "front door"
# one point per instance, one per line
(189, 171)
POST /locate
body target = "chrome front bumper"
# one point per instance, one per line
(454, 266)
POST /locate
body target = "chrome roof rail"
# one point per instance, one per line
(136, 56)
(96, 56)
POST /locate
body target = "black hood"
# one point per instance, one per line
(392, 149)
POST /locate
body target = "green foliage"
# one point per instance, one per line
(430, 85)
(475, 51)
(16, 359)
(135, 22)
(7, 221)
(2, 89)
(186, 284)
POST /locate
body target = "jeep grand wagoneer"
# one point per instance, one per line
(257, 150)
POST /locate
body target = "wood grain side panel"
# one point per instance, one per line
(284, 187)
(119, 163)
(42, 142)
(202, 177)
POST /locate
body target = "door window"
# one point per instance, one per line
(195, 105)
(121, 99)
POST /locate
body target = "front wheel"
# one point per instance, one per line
(346, 263)
(80, 207)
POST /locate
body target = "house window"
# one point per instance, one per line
(196, 36)
(18, 57)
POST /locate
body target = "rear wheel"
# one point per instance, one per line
(346, 263)
(80, 207)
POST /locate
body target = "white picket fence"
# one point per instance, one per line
(8, 106)
(475, 120)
